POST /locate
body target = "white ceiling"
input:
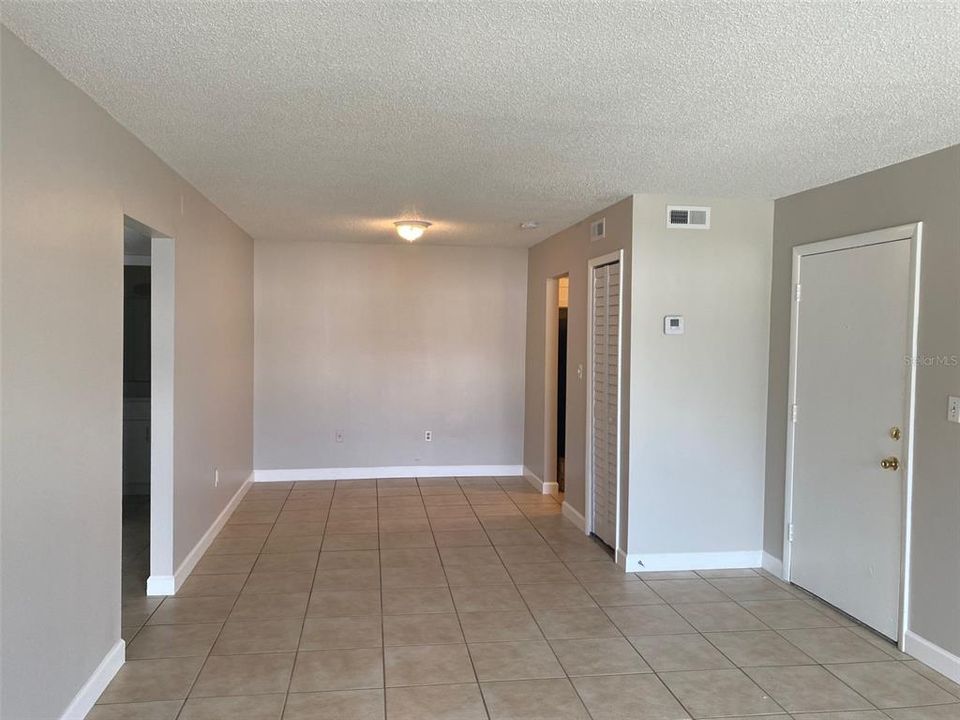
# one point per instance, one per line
(328, 120)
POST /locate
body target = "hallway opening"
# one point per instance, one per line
(136, 410)
(563, 303)
(555, 385)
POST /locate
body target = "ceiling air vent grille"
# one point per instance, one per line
(598, 229)
(687, 216)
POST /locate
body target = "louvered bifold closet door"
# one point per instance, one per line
(606, 399)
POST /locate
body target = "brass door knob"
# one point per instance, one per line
(890, 463)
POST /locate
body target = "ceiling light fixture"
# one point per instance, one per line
(529, 225)
(411, 230)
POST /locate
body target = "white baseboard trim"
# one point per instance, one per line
(533, 478)
(622, 559)
(574, 516)
(169, 584)
(396, 471)
(943, 661)
(87, 696)
(547, 488)
(161, 585)
(772, 565)
(662, 562)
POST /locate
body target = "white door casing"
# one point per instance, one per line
(603, 398)
(853, 338)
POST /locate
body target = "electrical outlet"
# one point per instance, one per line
(216, 477)
(953, 409)
(339, 436)
(428, 435)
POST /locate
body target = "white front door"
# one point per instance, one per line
(605, 402)
(852, 379)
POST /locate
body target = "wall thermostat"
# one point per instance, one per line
(673, 325)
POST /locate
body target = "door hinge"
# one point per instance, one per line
(790, 532)
(799, 293)
(794, 411)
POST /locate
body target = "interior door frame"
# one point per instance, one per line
(592, 263)
(912, 232)
(163, 576)
(550, 484)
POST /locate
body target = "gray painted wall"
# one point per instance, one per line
(568, 252)
(383, 342)
(928, 189)
(70, 172)
(699, 400)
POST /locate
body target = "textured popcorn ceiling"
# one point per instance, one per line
(324, 120)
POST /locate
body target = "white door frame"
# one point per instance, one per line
(616, 256)
(162, 579)
(162, 262)
(912, 232)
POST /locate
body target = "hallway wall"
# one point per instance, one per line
(926, 189)
(70, 173)
(383, 342)
(568, 252)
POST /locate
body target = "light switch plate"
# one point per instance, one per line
(953, 409)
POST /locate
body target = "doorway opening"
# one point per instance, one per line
(563, 304)
(136, 410)
(148, 345)
(555, 385)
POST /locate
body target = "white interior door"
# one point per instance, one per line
(853, 330)
(605, 401)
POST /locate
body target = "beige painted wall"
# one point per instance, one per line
(927, 189)
(69, 173)
(384, 342)
(568, 252)
(699, 399)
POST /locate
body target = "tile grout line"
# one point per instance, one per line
(546, 640)
(735, 665)
(529, 513)
(383, 642)
(206, 658)
(306, 610)
(466, 645)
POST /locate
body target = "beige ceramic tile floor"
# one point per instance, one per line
(474, 599)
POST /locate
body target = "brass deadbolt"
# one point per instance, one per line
(895, 433)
